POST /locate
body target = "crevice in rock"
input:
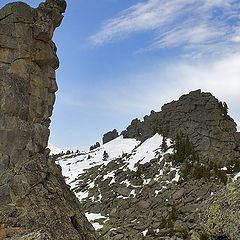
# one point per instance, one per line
(1, 19)
(223, 237)
(75, 223)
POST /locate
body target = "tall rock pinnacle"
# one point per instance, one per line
(35, 202)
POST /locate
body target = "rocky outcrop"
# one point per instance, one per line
(202, 118)
(35, 202)
(94, 146)
(145, 201)
(109, 136)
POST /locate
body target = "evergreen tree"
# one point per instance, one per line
(164, 145)
(105, 156)
(183, 149)
(68, 152)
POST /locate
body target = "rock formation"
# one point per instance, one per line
(94, 146)
(109, 136)
(202, 118)
(35, 202)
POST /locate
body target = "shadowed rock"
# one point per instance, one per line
(35, 202)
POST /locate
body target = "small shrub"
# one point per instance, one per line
(173, 213)
(204, 236)
(236, 167)
(183, 149)
(201, 171)
(105, 156)
(169, 221)
(138, 176)
(222, 175)
(185, 234)
(164, 145)
(186, 170)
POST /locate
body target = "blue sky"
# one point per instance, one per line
(120, 59)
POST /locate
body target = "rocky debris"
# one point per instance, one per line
(35, 202)
(200, 117)
(109, 136)
(148, 200)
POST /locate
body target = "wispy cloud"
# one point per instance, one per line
(191, 24)
(162, 83)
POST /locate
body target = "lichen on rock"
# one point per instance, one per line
(220, 216)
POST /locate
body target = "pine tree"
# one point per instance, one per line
(105, 156)
(183, 149)
(164, 145)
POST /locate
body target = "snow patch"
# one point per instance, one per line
(54, 149)
(146, 151)
(145, 232)
(82, 195)
(236, 176)
(238, 126)
(93, 217)
(177, 175)
(76, 165)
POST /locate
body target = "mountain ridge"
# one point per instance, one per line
(155, 185)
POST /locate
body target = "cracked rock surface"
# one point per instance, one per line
(35, 202)
(202, 118)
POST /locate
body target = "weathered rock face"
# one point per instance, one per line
(35, 202)
(109, 136)
(202, 118)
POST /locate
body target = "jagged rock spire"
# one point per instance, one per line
(35, 202)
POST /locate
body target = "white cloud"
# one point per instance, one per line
(140, 92)
(236, 36)
(191, 24)
(164, 83)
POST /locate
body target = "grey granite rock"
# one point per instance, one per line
(35, 202)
